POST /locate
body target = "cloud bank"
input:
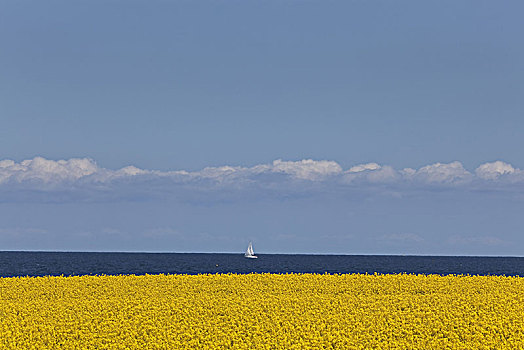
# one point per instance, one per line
(285, 206)
(83, 175)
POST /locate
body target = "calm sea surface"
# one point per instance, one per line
(60, 263)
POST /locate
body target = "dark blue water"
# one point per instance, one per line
(58, 263)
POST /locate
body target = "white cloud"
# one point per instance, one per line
(408, 172)
(224, 174)
(438, 173)
(371, 172)
(131, 171)
(85, 177)
(45, 170)
(492, 171)
(384, 174)
(307, 169)
(364, 167)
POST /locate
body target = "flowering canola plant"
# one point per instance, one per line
(262, 311)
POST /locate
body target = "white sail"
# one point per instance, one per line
(249, 252)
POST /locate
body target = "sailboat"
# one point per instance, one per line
(249, 252)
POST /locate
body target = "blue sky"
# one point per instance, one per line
(175, 87)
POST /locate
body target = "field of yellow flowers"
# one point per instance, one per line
(262, 311)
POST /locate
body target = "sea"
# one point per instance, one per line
(14, 264)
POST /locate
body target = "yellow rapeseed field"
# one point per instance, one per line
(262, 311)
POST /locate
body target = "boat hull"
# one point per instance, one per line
(251, 256)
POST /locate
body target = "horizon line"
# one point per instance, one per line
(258, 253)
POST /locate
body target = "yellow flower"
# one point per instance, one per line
(262, 311)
